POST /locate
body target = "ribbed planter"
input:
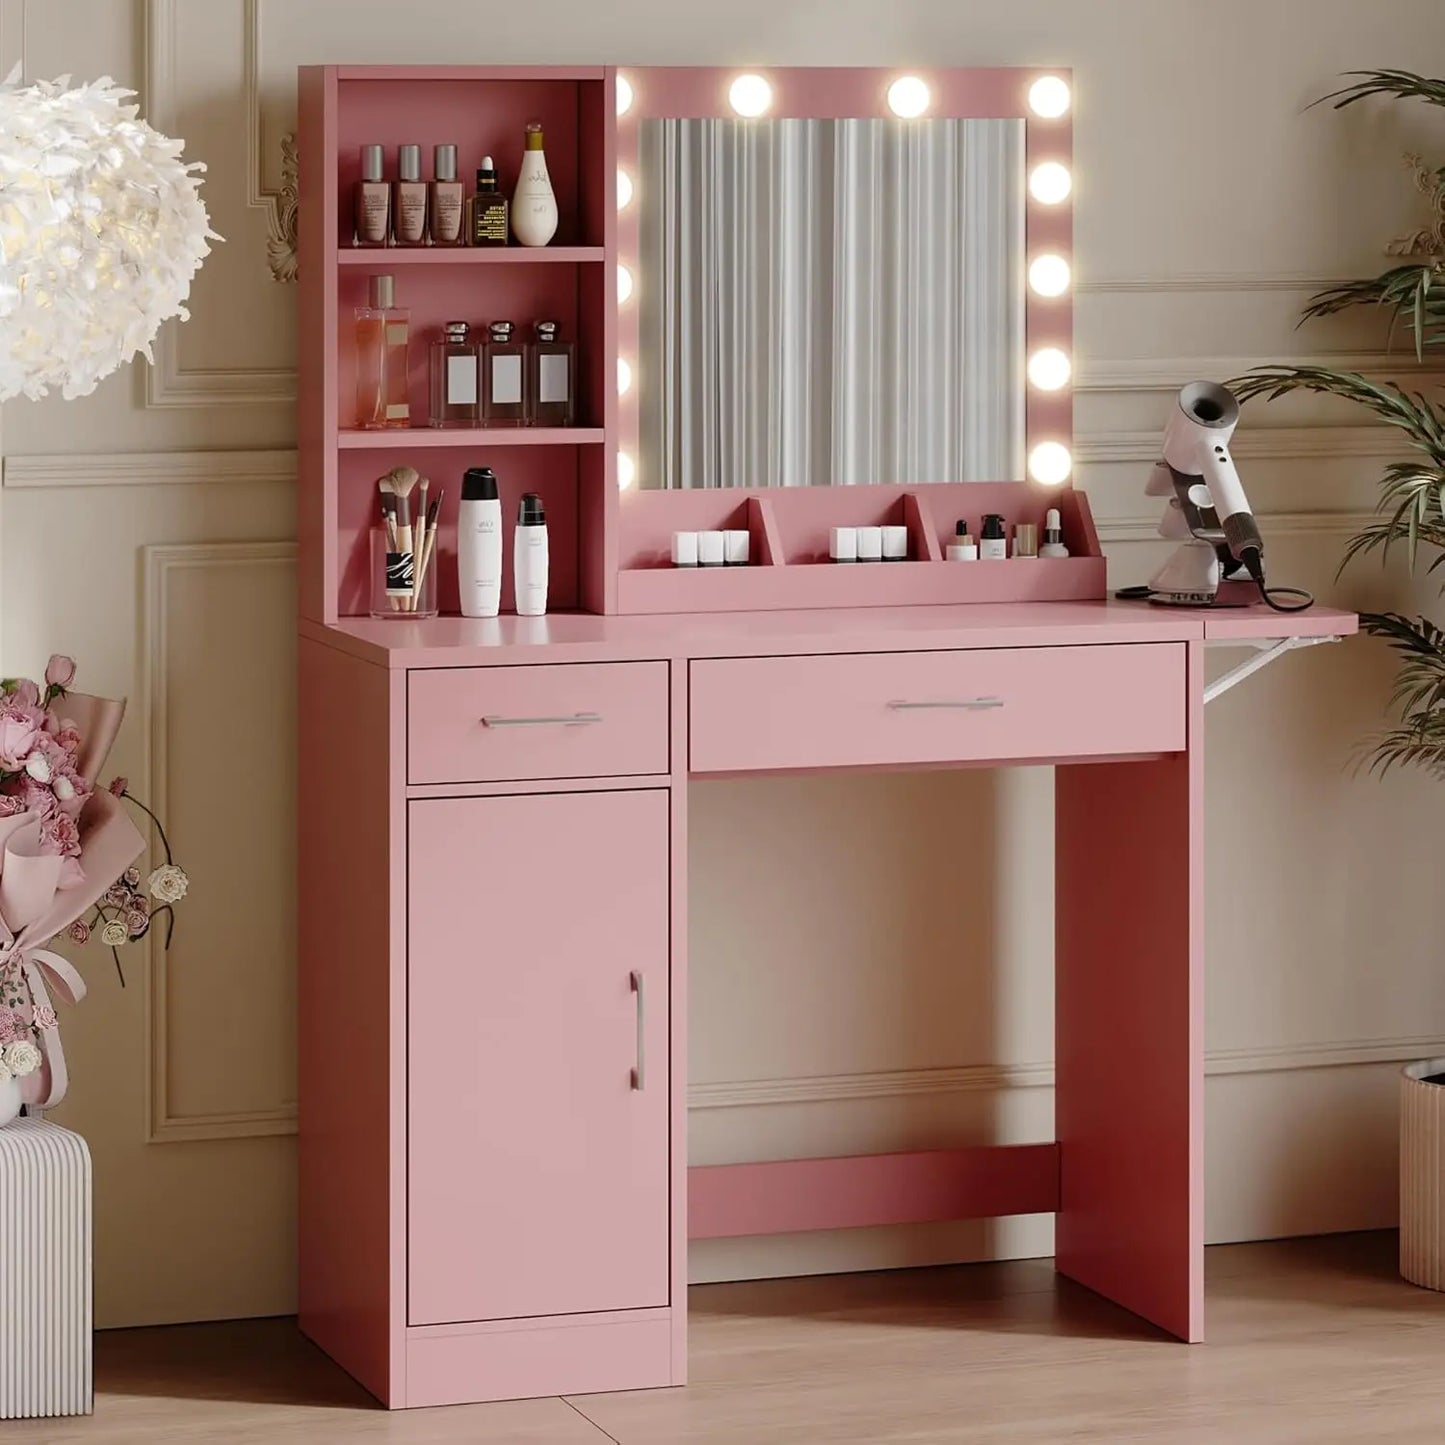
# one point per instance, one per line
(1422, 1174)
(9, 1100)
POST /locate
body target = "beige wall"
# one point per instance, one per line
(912, 914)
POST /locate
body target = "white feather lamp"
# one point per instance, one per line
(102, 229)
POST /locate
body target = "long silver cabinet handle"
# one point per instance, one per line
(963, 704)
(639, 987)
(566, 720)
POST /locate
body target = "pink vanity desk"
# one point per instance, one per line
(495, 1198)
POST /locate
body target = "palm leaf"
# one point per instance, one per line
(1400, 84)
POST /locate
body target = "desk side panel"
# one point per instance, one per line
(348, 1027)
(1129, 1028)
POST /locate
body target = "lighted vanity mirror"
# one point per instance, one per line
(830, 301)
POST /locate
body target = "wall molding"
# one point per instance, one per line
(1169, 373)
(159, 563)
(169, 385)
(990, 1078)
(146, 469)
(1207, 283)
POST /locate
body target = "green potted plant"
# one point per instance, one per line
(1410, 517)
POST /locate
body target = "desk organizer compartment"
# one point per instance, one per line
(792, 567)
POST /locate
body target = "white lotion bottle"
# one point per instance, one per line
(479, 544)
(534, 203)
(529, 558)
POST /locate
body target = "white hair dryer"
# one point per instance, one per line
(1208, 510)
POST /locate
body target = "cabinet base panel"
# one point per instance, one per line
(524, 1359)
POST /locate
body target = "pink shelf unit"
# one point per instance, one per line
(483, 111)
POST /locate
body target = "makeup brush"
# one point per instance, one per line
(429, 541)
(420, 540)
(399, 481)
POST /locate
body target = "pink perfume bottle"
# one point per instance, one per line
(382, 333)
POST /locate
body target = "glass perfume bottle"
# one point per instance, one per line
(372, 201)
(408, 207)
(551, 377)
(504, 377)
(382, 333)
(447, 200)
(455, 399)
(489, 209)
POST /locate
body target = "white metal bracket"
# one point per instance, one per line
(1266, 649)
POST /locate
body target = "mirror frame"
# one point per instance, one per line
(653, 93)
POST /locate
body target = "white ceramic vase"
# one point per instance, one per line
(1422, 1174)
(10, 1100)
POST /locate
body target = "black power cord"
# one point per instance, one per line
(1253, 563)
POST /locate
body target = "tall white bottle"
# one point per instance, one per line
(534, 203)
(529, 558)
(479, 544)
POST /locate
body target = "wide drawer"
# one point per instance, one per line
(880, 709)
(507, 724)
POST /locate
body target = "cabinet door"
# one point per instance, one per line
(538, 1167)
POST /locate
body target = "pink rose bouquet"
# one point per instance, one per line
(65, 849)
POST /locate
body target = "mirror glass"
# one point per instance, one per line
(830, 302)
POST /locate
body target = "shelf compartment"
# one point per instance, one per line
(385, 258)
(492, 438)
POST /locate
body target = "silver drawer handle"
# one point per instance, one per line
(569, 720)
(639, 987)
(964, 704)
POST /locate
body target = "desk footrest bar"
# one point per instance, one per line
(794, 1195)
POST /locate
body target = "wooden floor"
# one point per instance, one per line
(1311, 1342)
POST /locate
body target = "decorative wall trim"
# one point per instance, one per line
(168, 385)
(147, 469)
(1254, 443)
(1210, 283)
(163, 1127)
(1275, 525)
(984, 1078)
(1170, 373)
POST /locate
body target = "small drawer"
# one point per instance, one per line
(509, 724)
(889, 709)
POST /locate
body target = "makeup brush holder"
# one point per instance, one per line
(403, 585)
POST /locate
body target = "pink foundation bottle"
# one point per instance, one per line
(448, 200)
(408, 219)
(373, 201)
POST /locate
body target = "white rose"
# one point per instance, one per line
(4, 1074)
(114, 933)
(63, 788)
(38, 766)
(21, 1058)
(168, 883)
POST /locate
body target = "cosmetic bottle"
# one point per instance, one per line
(684, 549)
(736, 547)
(489, 209)
(895, 544)
(408, 205)
(372, 201)
(1026, 541)
(551, 369)
(1053, 536)
(447, 199)
(382, 330)
(711, 549)
(534, 205)
(504, 377)
(529, 558)
(455, 395)
(992, 544)
(963, 548)
(843, 544)
(870, 544)
(479, 545)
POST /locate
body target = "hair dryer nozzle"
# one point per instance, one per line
(1208, 404)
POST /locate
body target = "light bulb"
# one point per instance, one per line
(750, 95)
(1049, 97)
(624, 189)
(1050, 183)
(1049, 369)
(626, 471)
(1050, 464)
(908, 97)
(624, 283)
(624, 95)
(624, 376)
(1049, 275)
